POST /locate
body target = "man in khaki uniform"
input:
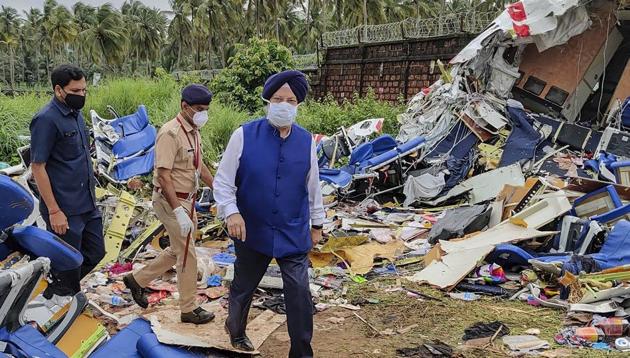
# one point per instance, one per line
(178, 168)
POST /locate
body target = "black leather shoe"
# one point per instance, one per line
(241, 343)
(137, 292)
(197, 316)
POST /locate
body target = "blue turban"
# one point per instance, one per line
(196, 94)
(296, 80)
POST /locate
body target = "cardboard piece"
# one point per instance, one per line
(361, 258)
(169, 330)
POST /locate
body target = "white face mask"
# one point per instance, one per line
(200, 118)
(281, 114)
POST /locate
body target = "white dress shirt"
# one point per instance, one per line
(225, 187)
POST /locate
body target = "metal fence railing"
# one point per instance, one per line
(412, 28)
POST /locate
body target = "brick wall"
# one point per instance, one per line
(391, 70)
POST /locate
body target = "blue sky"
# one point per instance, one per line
(21, 5)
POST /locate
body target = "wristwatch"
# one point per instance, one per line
(317, 227)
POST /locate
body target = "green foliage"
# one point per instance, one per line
(161, 96)
(241, 82)
(327, 116)
(15, 116)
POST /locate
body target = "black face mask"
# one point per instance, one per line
(74, 101)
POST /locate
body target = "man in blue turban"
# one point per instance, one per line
(268, 192)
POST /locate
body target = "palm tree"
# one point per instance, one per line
(146, 29)
(62, 31)
(180, 29)
(194, 6)
(9, 32)
(131, 13)
(217, 20)
(84, 19)
(356, 12)
(107, 38)
(33, 33)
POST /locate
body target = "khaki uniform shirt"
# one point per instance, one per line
(173, 151)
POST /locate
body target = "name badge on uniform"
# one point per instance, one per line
(70, 134)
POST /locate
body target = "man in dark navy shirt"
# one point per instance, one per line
(62, 168)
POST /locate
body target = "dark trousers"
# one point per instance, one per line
(85, 235)
(249, 269)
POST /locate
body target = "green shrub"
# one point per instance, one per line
(161, 96)
(327, 116)
(15, 116)
(241, 82)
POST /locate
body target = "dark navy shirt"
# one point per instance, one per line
(59, 139)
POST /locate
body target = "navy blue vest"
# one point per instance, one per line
(272, 192)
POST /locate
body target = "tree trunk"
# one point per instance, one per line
(46, 66)
(339, 14)
(309, 22)
(12, 66)
(37, 65)
(209, 42)
(192, 35)
(136, 63)
(222, 47)
(257, 18)
(179, 55)
(365, 19)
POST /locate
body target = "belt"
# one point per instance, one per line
(184, 196)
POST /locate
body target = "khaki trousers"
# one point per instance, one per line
(173, 255)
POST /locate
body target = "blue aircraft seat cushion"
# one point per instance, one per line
(411, 145)
(16, 204)
(140, 165)
(148, 346)
(383, 143)
(42, 243)
(361, 153)
(129, 145)
(131, 124)
(616, 248)
(27, 342)
(123, 344)
(380, 159)
(335, 176)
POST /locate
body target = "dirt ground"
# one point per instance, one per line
(443, 320)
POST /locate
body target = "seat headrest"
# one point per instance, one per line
(16, 203)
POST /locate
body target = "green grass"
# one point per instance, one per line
(161, 97)
(15, 116)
